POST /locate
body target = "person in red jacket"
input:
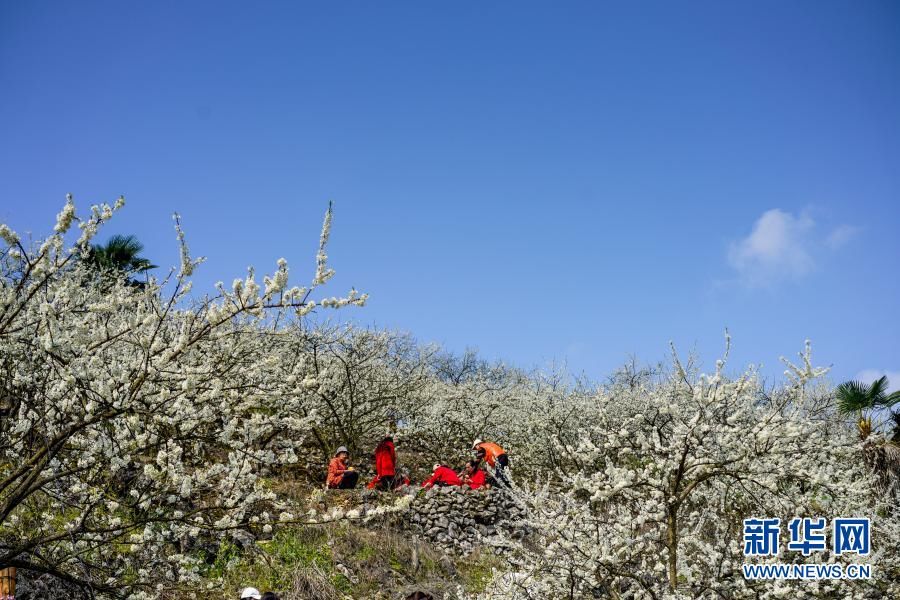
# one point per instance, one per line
(442, 476)
(385, 465)
(472, 476)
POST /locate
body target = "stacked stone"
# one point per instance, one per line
(459, 519)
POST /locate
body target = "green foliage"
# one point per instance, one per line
(477, 570)
(380, 561)
(365, 553)
(856, 396)
(860, 399)
(227, 557)
(121, 253)
(273, 565)
(300, 546)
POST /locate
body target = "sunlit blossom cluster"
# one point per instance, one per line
(665, 470)
(138, 420)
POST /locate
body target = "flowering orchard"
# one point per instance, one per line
(639, 488)
(467, 398)
(142, 424)
(668, 471)
(366, 380)
(137, 419)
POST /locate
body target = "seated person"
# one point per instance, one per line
(441, 476)
(472, 476)
(340, 474)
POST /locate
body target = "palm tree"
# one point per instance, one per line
(862, 400)
(121, 255)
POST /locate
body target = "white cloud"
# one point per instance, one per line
(783, 246)
(870, 375)
(840, 235)
(776, 249)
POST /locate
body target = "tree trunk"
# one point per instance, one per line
(672, 545)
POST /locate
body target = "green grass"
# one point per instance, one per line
(380, 562)
(228, 555)
(476, 572)
(273, 565)
(300, 547)
(365, 553)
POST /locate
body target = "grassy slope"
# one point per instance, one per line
(345, 559)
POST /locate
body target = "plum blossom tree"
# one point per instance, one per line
(134, 421)
(533, 415)
(458, 404)
(366, 382)
(670, 469)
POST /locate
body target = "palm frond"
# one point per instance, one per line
(126, 244)
(891, 399)
(852, 396)
(120, 253)
(141, 264)
(878, 390)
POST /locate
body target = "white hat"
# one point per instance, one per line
(251, 592)
(476, 442)
(341, 449)
(436, 466)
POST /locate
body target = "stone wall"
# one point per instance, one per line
(34, 586)
(459, 519)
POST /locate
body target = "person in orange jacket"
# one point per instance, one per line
(442, 476)
(385, 465)
(340, 474)
(496, 458)
(472, 476)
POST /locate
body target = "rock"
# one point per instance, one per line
(458, 519)
(243, 538)
(31, 586)
(448, 566)
(345, 571)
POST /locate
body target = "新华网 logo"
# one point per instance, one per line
(762, 538)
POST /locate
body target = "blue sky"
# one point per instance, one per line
(575, 182)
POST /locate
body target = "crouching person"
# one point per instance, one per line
(496, 458)
(442, 476)
(340, 474)
(474, 477)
